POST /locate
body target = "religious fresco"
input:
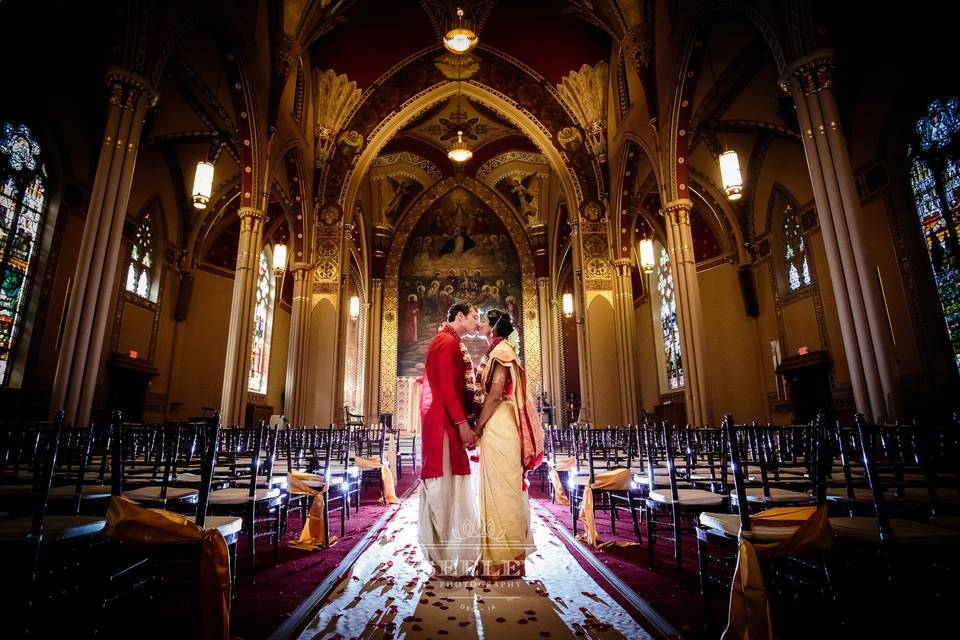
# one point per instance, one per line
(459, 251)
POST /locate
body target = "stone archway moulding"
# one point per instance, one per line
(491, 99)
(390, 324)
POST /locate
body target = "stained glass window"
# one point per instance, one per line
(941, 122)
(22, 199)
(795, 251)
(668, 322)
(262, 324)
(935, 180)
(140, 270)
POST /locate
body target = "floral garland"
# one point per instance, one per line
(484, 361)
(473, 388)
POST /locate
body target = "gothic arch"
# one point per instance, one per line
(390, 326)
(578, 171)
(688, 74)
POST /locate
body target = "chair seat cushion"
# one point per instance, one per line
(688, 497)
(152, 494)
(241, 495)
(729, 524)
(16, 489)
(87, 491)
(276, 481)
(755, 494)
(839, 494)
(54, 527)
(227, 525)
(947, 522)
(921, 494)
(905, 532)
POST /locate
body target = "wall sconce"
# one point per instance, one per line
(646, 255)
(354, 307)
(568, 305)
(730, 173)
(202, 184)
(279, 259)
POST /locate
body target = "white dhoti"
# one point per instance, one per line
(449, 524)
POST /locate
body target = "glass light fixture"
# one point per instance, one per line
(279, 259)
(730, 173)
(354, 307)
(568, 305)
(460, 152)
(202, 184)
(460, 39)
(646, 255)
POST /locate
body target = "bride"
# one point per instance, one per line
(510, 446)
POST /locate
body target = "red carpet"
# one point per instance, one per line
(259, 608)
(680, 606)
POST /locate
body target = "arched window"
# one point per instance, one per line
(671, 363)
(262, 325)
(22, 200)
(140, 271)
(935, 180)
(796, 264)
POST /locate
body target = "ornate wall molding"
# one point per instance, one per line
(510, 156)
(411, 158)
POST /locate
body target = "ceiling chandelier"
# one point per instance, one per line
(460, 152)
(460, 39)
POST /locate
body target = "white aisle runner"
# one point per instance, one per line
(389, 593)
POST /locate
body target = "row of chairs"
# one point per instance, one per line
(887, 487)
(55, 483)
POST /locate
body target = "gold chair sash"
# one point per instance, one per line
(146, 527)
(749, 613)
(389, 492)
(612, 480)
(312, 535)
(563, 464)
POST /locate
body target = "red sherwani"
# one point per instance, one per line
(445, 373)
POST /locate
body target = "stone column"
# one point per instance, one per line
(548, 343)
(624, 322)
(236, 369)
(865, 336)
(371, 378)
(295, 387)
(94, 278)
(683, 267)
(579, 313)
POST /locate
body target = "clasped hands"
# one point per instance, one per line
(468, 437)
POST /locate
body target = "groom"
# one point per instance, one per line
(449, 518)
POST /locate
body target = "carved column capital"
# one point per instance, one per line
(126, 87)
(286, 50)
(677, 212)
(300, 270)
(623, 266)
(814, 72)
(638, 45)
(251, 213)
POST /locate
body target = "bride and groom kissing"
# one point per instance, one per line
(477, 523)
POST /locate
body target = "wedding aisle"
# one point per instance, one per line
(389, 593)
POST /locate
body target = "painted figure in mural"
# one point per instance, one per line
(521, 189)
(459, 240)
(449, 521)
(401, 189)
(511, 445)
(410, 311)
